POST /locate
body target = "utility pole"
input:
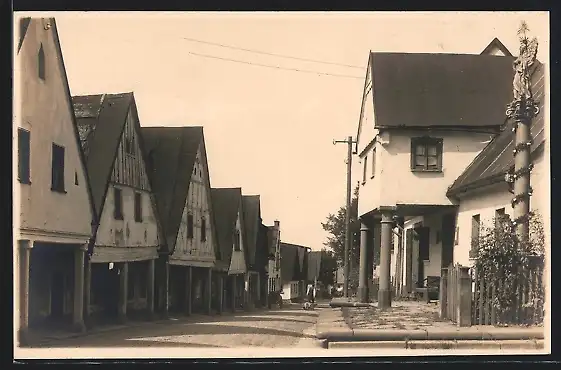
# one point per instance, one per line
(522, 110)
(346, 267)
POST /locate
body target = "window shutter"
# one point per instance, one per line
(413, 152)
(24, 143)
(57, 168)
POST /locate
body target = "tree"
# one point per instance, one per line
(335, 226)
(328, 268)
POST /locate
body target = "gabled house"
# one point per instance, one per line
(274, 258)
(481, 190)
(232, 240)
(180, 172)
(423, 119)
(262, 261)
(53, 207)
(314, 267)
(255, 263)
(122, 262)
(294, 270)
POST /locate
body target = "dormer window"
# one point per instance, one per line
(426, 154)
(41, 63)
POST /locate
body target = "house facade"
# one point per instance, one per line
(179, 167)
(227, 204)
(424, 118)
(53, 208)
(274, 257)
(254, 248)
(294, 271)
(121, 269)
(481, 192)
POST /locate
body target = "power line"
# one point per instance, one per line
(271, 54)
(274, 67)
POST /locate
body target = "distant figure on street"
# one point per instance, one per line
(311, 293)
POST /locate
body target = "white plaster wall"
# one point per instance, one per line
(127, 232)
(237, 262)
(197, 204)
(45, 111)
(486, 201)
(395, 183)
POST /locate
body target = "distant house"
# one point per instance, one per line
(232, 240)
(274, 257)
(424, 118)
(179, 168)
(254, 246)
(294, 270)
(122, 264)
(481, 191)
(314, 266)
(53, 207)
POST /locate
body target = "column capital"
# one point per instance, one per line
(84, 247)
(25, 244)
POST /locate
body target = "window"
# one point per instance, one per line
(203, 229)
(41, 63)
(475, 229)
(190, 226)
(500, 217)
(118, 195)
(137, 207)
(426, 154)
(373, 163)
(129, 145)
(57, 169)
(76, 178)
(365, 169)
(237, 241)
(24, 143)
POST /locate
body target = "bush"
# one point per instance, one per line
(505, 262)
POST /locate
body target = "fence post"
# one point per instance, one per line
(464, 297)
(443, 299)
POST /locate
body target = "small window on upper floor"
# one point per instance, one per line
(190, 226)
(203, 229)
(41, 63)
(118, 200)
(365, 168)
(24, 143)
(57, 169)
(137, 207)
(373, 163)
(76, 178)
(129, 145)
(426, 154)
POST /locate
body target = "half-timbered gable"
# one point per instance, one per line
(182, 186)
(228, 209)
(110, 135)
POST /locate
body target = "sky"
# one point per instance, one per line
(268, 130)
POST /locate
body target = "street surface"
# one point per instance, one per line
(276, 328)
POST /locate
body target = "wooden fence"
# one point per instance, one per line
(496, 300)
(471, 297)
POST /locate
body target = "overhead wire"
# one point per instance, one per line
(271, 54)
(274, 67)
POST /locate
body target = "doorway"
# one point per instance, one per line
(57, 295)
(424, 253)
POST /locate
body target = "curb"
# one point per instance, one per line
(446, 344)
(358, 335)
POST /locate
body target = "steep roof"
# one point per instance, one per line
(440, 90)
(262, 251)
(496, 158)
(252, 220)
(226, 203)
(171, 154)
(289, 262)
(496, 43)
(314, 264)
(101, 120)
(23, 25)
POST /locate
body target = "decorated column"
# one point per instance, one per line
(521, 110)
(363, 268)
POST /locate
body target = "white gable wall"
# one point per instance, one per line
(45, 111)
(237, 262)
(197, 205)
